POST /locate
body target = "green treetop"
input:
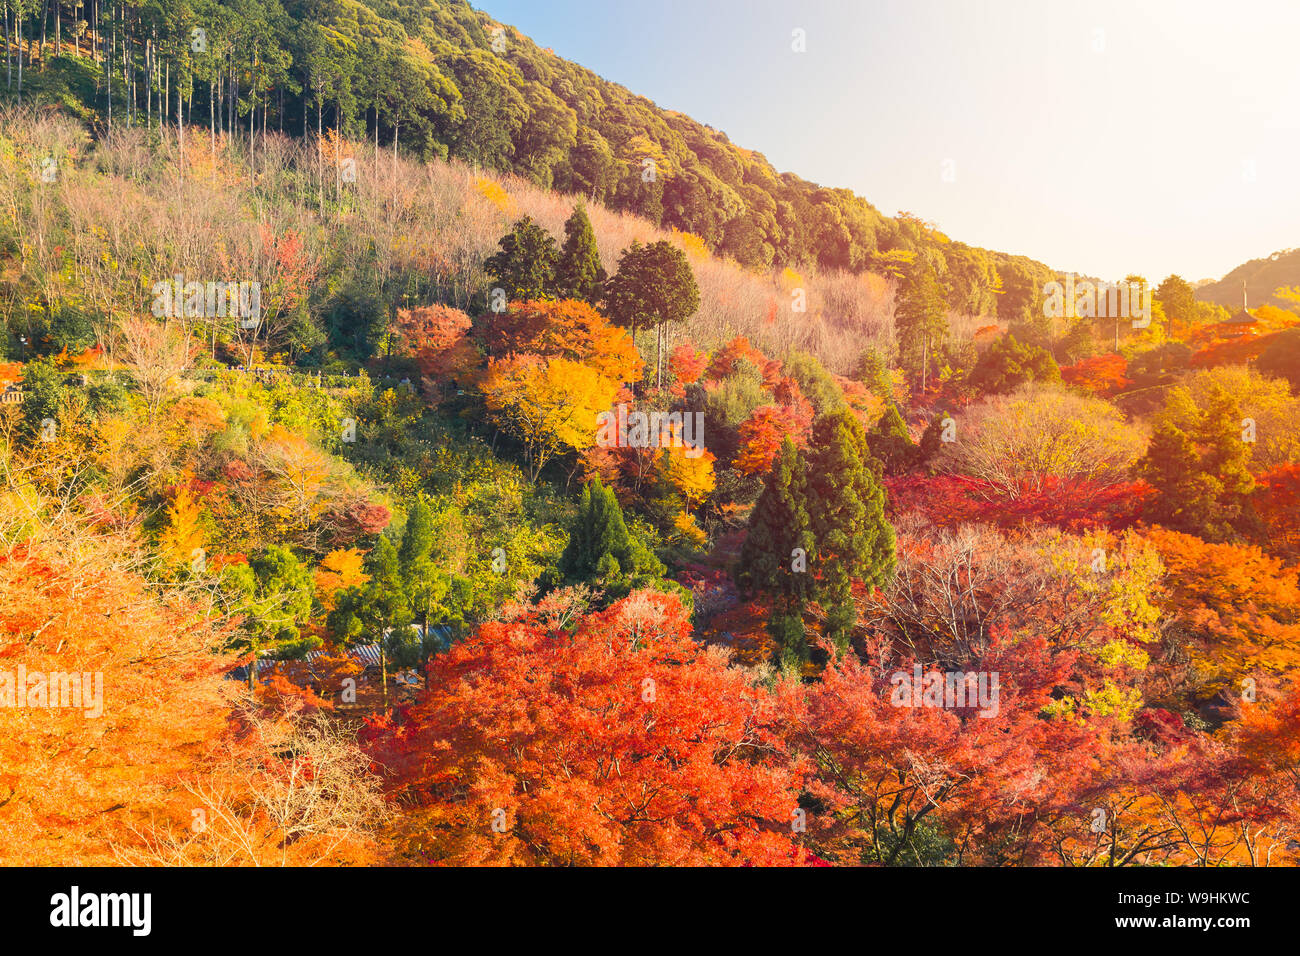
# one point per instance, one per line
(579, 274)
(525, 266)
(846, 512)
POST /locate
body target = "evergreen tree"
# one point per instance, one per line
(380, 607)
(776, 552)
(817, 384)
(874, 373)
(653, 283)
(600, 548)
(891, 444)
(436, 598)
(846, 512)
(1077, 343)
(274, 592)
(417, 538)
(1008, 364)
(525, 266)
(921, 321)
(931, 440)
(1201, 479)
(1225, 457)
(419, 575)
(1178, 301)
(580, 274)
(1172, 467)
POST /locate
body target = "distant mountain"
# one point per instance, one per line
(1262, 277)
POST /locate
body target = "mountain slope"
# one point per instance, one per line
(439, 78)
(579, 133)
(1262, 278)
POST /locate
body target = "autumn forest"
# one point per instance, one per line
(419, 451)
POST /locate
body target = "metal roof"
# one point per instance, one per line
(366, 654)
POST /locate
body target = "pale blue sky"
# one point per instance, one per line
(1167, 142)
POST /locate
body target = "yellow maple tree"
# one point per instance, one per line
(549, 405)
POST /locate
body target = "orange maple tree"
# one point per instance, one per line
(567, 329)
(77, 780)
(619, 741)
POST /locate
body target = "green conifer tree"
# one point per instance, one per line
(921, 321)
(579, 274)
(653, 283)
(273, 590)
(890, 443)
(846, 512)
(525, 266)
(600, 548)
(380, 608)
(1172, 467)
(1202, 478)
(874, 373)
(1007, 364)
(423, 582)
(777, 550)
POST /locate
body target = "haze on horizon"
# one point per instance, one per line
(1105, 138)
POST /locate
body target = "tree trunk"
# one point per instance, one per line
(320, 172)
(108, 79)
(925, 360)
(180, 128)
(659, 354)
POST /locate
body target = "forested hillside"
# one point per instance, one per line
(397, 492)
(1258, 279)
(438, 78)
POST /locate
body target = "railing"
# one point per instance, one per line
(305, 379)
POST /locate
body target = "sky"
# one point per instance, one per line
(1104, 138)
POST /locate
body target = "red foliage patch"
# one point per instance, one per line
(951, 500)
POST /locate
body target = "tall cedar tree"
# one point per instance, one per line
(525, 266)
(580, 274)
(891, 444)
(435, 597)
(921, 320)
(1178, 300)
(379, 608)
(1226, 457)
(778, 526)
(600, 548)
(931, 441)
(874, 373)
(1202, 479)
(846, 511)
(653, 283)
